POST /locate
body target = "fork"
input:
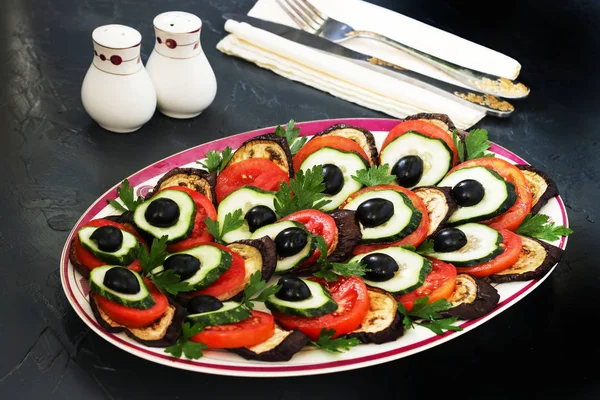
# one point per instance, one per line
(310, 19)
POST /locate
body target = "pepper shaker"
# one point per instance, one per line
(117, 91)
(184, 80)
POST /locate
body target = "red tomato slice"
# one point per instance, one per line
(249, 332)
(335, 142)
(317, 223)
(512, 249)
(425, 128)
(133, 317)
(353, 304)
(414, 239)
(89, 260)
(199, 235)
(257, 172)
(439, 284)
(231, 279)
(512, 218)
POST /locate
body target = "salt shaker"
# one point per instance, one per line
(117, 91)
(184, 80)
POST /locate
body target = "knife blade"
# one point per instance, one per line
(491, 105)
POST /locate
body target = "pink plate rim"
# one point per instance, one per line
(198, 152)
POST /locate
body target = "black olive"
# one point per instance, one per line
(380, 267)
(292, 289)
(449, 239)
(333, 179)
(108, 238)
(183, 265)
(162, 213)
(290, 241)
(408, 170)
(259, 216)
(203, 303)
(468, 192)
(121, 280)
(374, 212)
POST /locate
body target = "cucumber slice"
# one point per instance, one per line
(141, 300)
(292, 262)
(499, 195)
(435, 153)
(124, 256)
(184, 225)
(230, 313)
(319, 303)
(347, 161)
(411, 274)
(405, 220)
(243, 198)
(213, 263)
(483, 244)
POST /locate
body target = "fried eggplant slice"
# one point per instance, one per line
(163, 332)
(441, 120)
(383, 322)
(440, 205)
(196, 179)
(361, 136)
(349, 235)
(271, 147)
(472, 298)
(542, 187)
(280, 347)
(536, 259)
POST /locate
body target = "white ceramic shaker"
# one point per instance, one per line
(184, 80)
(117, 91)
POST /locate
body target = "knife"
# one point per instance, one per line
(491, 105)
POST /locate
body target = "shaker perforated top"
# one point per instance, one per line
(177, 22)
(116, 36)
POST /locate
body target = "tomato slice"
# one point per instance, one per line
(249, 332)
(133, 317)
(335, 142)
(353, 304)
(425, 128)
(231, 279)
(414, 239)
(199, 235)
(512, 249)
(439, 284)
(317, 223)
(512, 218)
(89, 261)
(258, 172)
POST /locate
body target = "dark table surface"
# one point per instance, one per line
(56, 162)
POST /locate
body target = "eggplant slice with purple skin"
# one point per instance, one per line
(361, 136)
(440, 205)
(196, 179)
(441, 120)
(270, 147)
(536, 259)
(472, 298)
(383, 322)
(280, 347)
(163, 332)
(542, 187)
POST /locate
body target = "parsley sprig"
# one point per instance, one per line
(216, 160)
(337, 345)
(184, 345)
(231, 222)
(475, 145)
(303, 192)
(127, 196)
(330, 271)
(253, 291)
(426, 247)
(539, 226)
(291, 133)
(428, 315)
(373, 176)
(165, 280)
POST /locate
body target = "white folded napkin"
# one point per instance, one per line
(347, 80)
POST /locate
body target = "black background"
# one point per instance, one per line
(55, 162)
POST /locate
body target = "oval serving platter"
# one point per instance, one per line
(309, 361)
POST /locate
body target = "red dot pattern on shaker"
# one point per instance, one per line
(159, 40)
(95, 53)
(171, 43)
(139, 60)
(196, 45)
(116, 60)
(102, 57)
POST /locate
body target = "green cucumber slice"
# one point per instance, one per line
(230, 313)
(124, 256)
(141, 300)
(214, 262)
(319, 303)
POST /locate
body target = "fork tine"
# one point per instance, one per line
(315, 10)
(309, 11)
(307, 24)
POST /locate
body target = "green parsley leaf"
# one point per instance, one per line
(169, 281)
(426, 247)
(337, 345)
(267, 292)
(539, 226)
(252, 290)
(350, 268)
(477, 144)
(291, 133)
(231, 222)
(409, 247)
(425, 310)
(216, 160)
(156, 257)
(127, 196)
(304, 192)
(438, 326)
(191, 350)
(376, 175)
(460, 146)
(322, 247)
(327, 274)
(427, 315)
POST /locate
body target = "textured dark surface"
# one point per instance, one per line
(55, 162)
